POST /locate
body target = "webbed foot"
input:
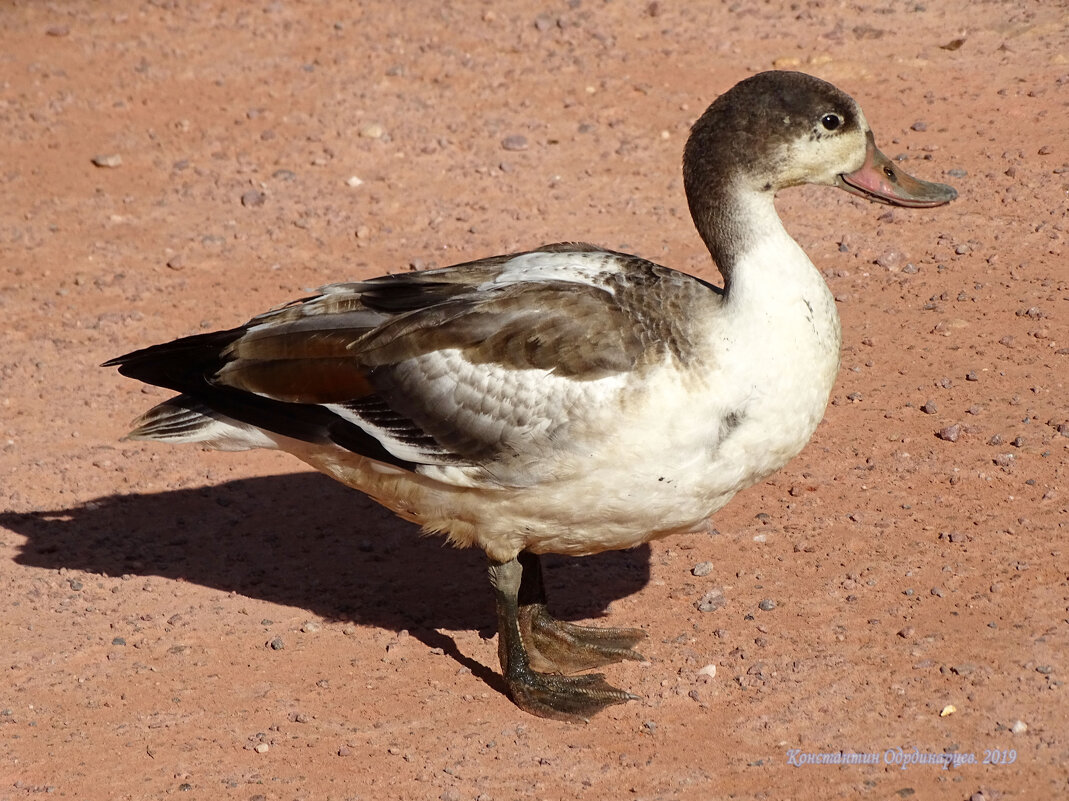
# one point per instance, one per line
(535, 649)
(555, 646)
(569, 698)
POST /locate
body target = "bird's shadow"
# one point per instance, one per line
(304, 541)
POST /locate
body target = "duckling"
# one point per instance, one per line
(569, 399)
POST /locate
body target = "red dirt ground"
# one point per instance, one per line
(143, 586)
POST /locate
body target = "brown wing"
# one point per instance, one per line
(441, 367)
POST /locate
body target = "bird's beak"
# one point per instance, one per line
(881, 181)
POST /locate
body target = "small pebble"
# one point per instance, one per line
(891, 260)
(708, 671)
(253, 198)
(950, 433)
(1019, 727)
(929, 407)
(919, 125)
(354, 181)
(972, 376)
(107, 160)
(310, 627)
(712, 600)
(276, 644)
(767, 605)
(702, 569)
(372, 131)
(58, 30)
(937, 592)
(514, 142)
(344, 751)
(1046, 670)
(261, 748)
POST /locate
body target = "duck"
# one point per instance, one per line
(565, 400)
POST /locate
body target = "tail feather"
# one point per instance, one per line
(184, 419)
(226, 417)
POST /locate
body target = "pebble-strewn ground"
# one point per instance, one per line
(210, 625)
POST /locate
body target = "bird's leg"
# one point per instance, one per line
(568, 698)
(555, 646)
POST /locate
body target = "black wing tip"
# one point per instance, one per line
(181, 364)
(127, 359)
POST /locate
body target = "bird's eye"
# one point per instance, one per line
(831, 121)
